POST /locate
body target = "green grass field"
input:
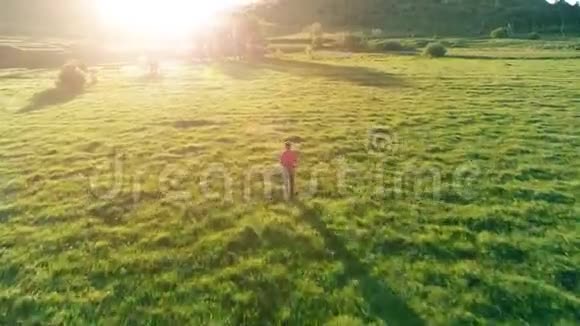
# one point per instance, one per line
(432, 191)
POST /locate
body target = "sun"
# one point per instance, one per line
(161, 18)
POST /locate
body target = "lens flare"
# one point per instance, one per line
(161, 18)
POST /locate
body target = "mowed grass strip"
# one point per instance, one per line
(112, 206)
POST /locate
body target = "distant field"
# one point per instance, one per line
(431, 192)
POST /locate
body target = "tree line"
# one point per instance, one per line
(452, 17)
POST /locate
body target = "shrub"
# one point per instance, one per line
(72, 77)
(352, 42)
(435, 50)
(534, 36)
(500, 32)
(393, 46)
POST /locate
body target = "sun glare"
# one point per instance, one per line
(161, 18)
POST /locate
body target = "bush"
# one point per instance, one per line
(435, 50)
(500, 32)
(534, 36)
(72, 77)
(352, 42)
(392, 46)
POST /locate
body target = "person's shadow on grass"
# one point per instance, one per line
(383, 302)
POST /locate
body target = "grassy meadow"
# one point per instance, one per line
(431, 191)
